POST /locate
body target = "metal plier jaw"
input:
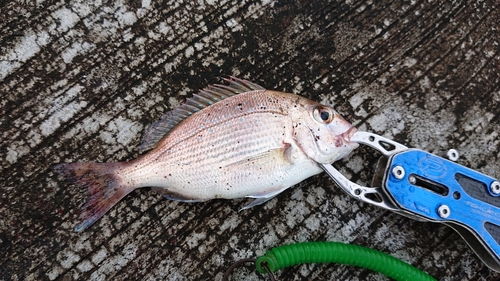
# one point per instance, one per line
(427, 187)
(372, 195)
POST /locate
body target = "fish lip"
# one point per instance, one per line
(347, 135)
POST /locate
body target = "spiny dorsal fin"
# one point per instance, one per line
(205, 98)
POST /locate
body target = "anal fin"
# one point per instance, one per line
(175, 196)
(180, 199)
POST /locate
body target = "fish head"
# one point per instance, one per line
(322, 134)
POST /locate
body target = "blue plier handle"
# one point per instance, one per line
(427, 187)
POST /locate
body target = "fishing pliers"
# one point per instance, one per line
(429, 187)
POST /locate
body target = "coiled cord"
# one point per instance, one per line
(335, 252)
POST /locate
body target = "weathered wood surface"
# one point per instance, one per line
(81, 81)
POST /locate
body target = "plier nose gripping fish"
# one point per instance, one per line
(427, 187)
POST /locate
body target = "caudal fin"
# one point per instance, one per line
(104, 186)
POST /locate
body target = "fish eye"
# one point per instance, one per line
(323, 114)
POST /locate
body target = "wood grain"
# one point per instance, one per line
(80, 81)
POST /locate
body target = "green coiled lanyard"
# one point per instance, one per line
(334, 252)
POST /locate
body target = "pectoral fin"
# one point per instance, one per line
(256, 202)
(274, 157)
(263, 197)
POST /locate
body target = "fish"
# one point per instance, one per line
(230, 140)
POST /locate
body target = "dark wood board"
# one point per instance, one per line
(81, 80)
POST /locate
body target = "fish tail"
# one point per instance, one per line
(104, 185)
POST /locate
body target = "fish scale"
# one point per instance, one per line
(228, 141)
(192, 158)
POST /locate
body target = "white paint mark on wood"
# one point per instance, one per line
(66, 19)
(98, 257)
(409, 62)
(189, 51)
(146, 4)
(16, 150)
(234, 25)
(125, 18)
(84, 8)
(25, 48)
(77, 48)
(85, 266)
(67, 258)
(62, 112)
(54, 272)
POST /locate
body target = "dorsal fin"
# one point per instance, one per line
(205, 98)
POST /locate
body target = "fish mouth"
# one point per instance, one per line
(347, 135)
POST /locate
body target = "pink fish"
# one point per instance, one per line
(227, 141)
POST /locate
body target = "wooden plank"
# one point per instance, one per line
(81, 81)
